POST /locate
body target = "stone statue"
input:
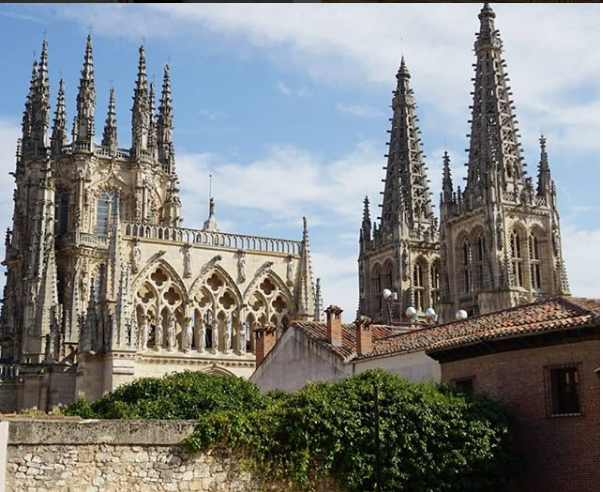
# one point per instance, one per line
(405, 262)
(144, 333)
(159, 333)
(172, 332)
(186, 249)
(243, 338)
(214, 335)
(136, 255)
(187, 336)
(241, 266)
(228, 334)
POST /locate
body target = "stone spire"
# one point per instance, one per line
(318, 303)
(141, 111)
(544, 171)
(40, 107)
(110, 131)
(152, 126)
(406, 195)
(365, 230)
(305, 295)
(447, 188)
(59, 137)
(28, 112)
(165, 125)
(83, 128)
(495, 162)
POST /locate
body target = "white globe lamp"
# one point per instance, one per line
(461, 314)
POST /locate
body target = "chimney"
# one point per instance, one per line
(334, 336)
(364, 335)
(265, 341)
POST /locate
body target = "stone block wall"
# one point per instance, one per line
(46, 455)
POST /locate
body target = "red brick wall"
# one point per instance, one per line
(562, 453)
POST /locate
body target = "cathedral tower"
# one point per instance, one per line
(500, 239)
(401, 254)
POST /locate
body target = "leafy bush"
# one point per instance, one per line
(182, 395)
(432, 438)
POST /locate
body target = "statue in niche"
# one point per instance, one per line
(499, 231)
(172, 332)
(241, 266)
(290, 270)
(555, 239)
(159, 333)
(144, 333)
(136, 255)
(243, 338)
(214, 335)
(228, 334)
(187, 336)
(207, 341)
(186, 249)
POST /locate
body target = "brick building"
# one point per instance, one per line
(540, 360)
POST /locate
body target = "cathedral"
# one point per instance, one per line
(104, 284)
(497, 244)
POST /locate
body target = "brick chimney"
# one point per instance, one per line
(265, 341)
(334, 336)
(364, 335)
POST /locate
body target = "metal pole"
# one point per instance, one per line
(377, 445)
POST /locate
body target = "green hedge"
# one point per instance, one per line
(433, 438)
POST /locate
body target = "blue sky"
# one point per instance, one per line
(287, 106)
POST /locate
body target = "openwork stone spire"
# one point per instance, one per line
(165, 125)
(110, 131)
(152, 126)
(83, 128)
(406, 195)
(447, 180)
(28, 112)
(59, 137)
(495, 160)
(365, 231)
(40, 107)
(141, 110)
(305, 295)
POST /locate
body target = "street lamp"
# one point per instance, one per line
(461, 314)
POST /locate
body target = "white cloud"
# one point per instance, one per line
(213, 115)
(582, 254)
(359, 111)
(290, 91)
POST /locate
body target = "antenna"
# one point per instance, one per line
(401, 46)
(210, 197)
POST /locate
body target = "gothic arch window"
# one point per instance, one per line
(104, 208)
(466, 261)
(434, 284)
(535, 259)
(62, 210)
(377, 288)
(388, 276)
(480, 259)
(517, 258)
(419, 285)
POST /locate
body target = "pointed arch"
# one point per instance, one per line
(217, 370)
(205, 274)
(154, 263)
(278, 281)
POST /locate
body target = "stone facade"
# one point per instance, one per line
(113, 456)
(104, 285)
(498, 243)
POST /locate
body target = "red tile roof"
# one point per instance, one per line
(553, 314)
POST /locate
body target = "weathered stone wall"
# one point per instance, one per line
(103, 455)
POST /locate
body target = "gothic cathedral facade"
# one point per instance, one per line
(498, 242)
(104, 284)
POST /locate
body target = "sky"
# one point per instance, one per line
(287, 106)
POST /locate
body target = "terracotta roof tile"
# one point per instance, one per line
(558, 313)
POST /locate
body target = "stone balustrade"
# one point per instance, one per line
(84, 239)
(9, 371)
(220, 239)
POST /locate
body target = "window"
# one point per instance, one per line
(480, 254)
(534, 262)
(464, 384)
(516, 258)
(105, 208)
(466, 267)
(564, 390)
(377, 288)
(434, 277)
(418, 283)
(62, 211)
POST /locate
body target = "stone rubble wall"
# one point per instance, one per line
(47, 455)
